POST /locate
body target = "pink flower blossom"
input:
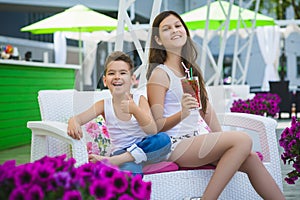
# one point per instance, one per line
(105, 131)
(99, 133)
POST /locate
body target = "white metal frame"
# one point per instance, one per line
(124, 19)
(218, 67)
(237, 51)
(237, 64)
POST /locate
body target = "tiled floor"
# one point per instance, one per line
(291, 192)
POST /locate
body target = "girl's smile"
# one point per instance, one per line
(172, 34)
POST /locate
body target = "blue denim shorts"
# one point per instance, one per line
(156, 147)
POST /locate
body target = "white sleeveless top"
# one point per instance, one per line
(122, 134)
(191, 125)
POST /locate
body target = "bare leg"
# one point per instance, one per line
(260, 178)
(229, 149)
(114, 160)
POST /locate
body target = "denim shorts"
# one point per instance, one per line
(156, 147)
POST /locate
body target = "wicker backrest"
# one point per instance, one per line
(60, 105)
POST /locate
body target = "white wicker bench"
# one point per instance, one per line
(49, 137)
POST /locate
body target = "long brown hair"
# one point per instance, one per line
(158, 54)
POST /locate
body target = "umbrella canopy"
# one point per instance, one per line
(196, 19)
(77, 19)
(98, 36)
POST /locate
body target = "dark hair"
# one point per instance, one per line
(158, 54)
(118, 56)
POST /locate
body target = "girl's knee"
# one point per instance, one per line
(243, 140)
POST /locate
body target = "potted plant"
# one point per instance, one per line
(264, 104)
(290, 142)
(58, 178)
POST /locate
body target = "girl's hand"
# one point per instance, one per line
(187, 103)
(128, 105)
(74, 129)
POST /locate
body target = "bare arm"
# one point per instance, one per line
(142, 113)
(75, 122)
(157, 87)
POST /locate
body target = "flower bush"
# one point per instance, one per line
(57, 178)
(290, 142)
(97, 131)
(261, 104)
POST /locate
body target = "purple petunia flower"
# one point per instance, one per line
(139, 190)
(54, 162)
(291, 180)
(126, 197)
(297, 166)
(290, 142)
(35, 193)
(261, 104)
(17, 193)
(72, 195)
(24, 175)
(43, 173)
(69, 164)
(120, 182)
(100, 190)
(58, 178)
(85, 172)
(11, 164)
(62, 179)
(108, 172)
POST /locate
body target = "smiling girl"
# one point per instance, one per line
(197, 137)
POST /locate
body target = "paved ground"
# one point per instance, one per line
(291, 192)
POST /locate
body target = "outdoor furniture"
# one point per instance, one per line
(282, 89)
(49, 137)
(297, 102)
(222, 96)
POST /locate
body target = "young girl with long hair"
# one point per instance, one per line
(196, 135)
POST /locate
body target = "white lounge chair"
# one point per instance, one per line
(49, 137)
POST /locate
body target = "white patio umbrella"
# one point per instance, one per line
(75, 19)
(216, 15)
(196, 19)
(105, 36)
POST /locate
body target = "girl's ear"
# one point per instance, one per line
(104, 81)
(157, 40)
